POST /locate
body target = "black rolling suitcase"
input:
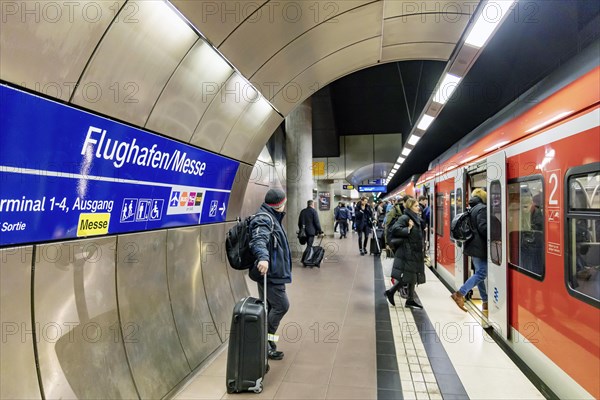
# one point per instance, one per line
(313, 256)
(376, 241)
(247, 361)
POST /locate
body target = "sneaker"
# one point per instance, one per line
(459, 299)
(412, 303)
(275, 355)
(390, 297)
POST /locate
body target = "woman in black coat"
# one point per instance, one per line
(363, 216)
(409, 258)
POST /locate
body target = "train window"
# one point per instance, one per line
(495, 223)
(582, 251)
(459, 201)
(526, 226)
(439, 214)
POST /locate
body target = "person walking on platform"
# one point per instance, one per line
(269, 244)
(341, 218)
(408, 268)
(309, 218)
(335, 213)
(363, 215)
(477, 249)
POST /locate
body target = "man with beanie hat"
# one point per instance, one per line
(273, 257)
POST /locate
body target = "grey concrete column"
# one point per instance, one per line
(299, 179)
(326, 217)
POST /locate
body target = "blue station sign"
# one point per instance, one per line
(66, 173)
(372, 188)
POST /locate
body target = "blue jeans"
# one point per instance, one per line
(478, 278)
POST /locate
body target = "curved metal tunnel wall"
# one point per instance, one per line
(133, 315)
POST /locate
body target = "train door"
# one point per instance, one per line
(497, 269)
(456, 207)
(429, 244)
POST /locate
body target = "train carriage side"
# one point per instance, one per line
(550, 228)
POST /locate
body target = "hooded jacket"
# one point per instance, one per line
(280, 262)
(477, 246)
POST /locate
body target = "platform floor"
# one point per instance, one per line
(342, 340)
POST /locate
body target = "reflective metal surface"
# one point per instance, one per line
(278, 25)
(216, 280)
(428, 28)
(194, 323)
(153, 349)
(189, 92)
(134, 61)
(44, 46)
(261, 137)
(222, 113)
(217, 19)
(236, 198)
(347, 29)
(238, 142)
(80, 347)
(17, 362)
(338, 64)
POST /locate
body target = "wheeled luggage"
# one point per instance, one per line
(313, 256)
(376, 242)
(247, 355)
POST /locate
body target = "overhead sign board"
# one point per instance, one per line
(348, 187)
(67, 173)
(372, 188)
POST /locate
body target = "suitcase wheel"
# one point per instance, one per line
(258, 389)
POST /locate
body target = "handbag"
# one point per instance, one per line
(302, 237)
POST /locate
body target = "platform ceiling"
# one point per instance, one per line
(535, 39)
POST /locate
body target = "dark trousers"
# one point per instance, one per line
(309, 241)
(277, 304)
(343, 227)
(335, 226)
(399, 284)
(362, 243)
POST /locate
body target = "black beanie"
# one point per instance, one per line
(275, 198)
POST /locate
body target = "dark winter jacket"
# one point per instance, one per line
(310, 219)
(280, 262)
(409, 260)
(342, 214)
(477, 246)
(363, 218)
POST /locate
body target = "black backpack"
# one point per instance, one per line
(461, 228)
(237, 243)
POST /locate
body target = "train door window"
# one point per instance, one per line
(459, 201)
(583, 233)
(452, 207)
(526, 241)
(439, 214)
(495, 201)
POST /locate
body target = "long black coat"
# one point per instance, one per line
(477, 246)
(409, 259)
(310, 219)
(363, 217)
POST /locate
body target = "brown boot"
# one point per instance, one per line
(484, 308)
(459, 299)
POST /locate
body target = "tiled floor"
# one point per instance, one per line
(343, 341)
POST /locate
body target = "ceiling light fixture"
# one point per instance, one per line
(405, 151)
(447, 87)
(490, 17)
(413, 139)
(400, 160)
(425, 122)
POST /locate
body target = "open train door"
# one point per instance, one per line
(497, 268)
(460, 261)
(430, 243)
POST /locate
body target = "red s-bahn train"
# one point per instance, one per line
(539, 161)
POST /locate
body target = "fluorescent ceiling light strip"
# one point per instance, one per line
(413, 139)
(406, 151)
(447, 87)
(425, 122)
(492, 14)
(400, 160)
(396, 166)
